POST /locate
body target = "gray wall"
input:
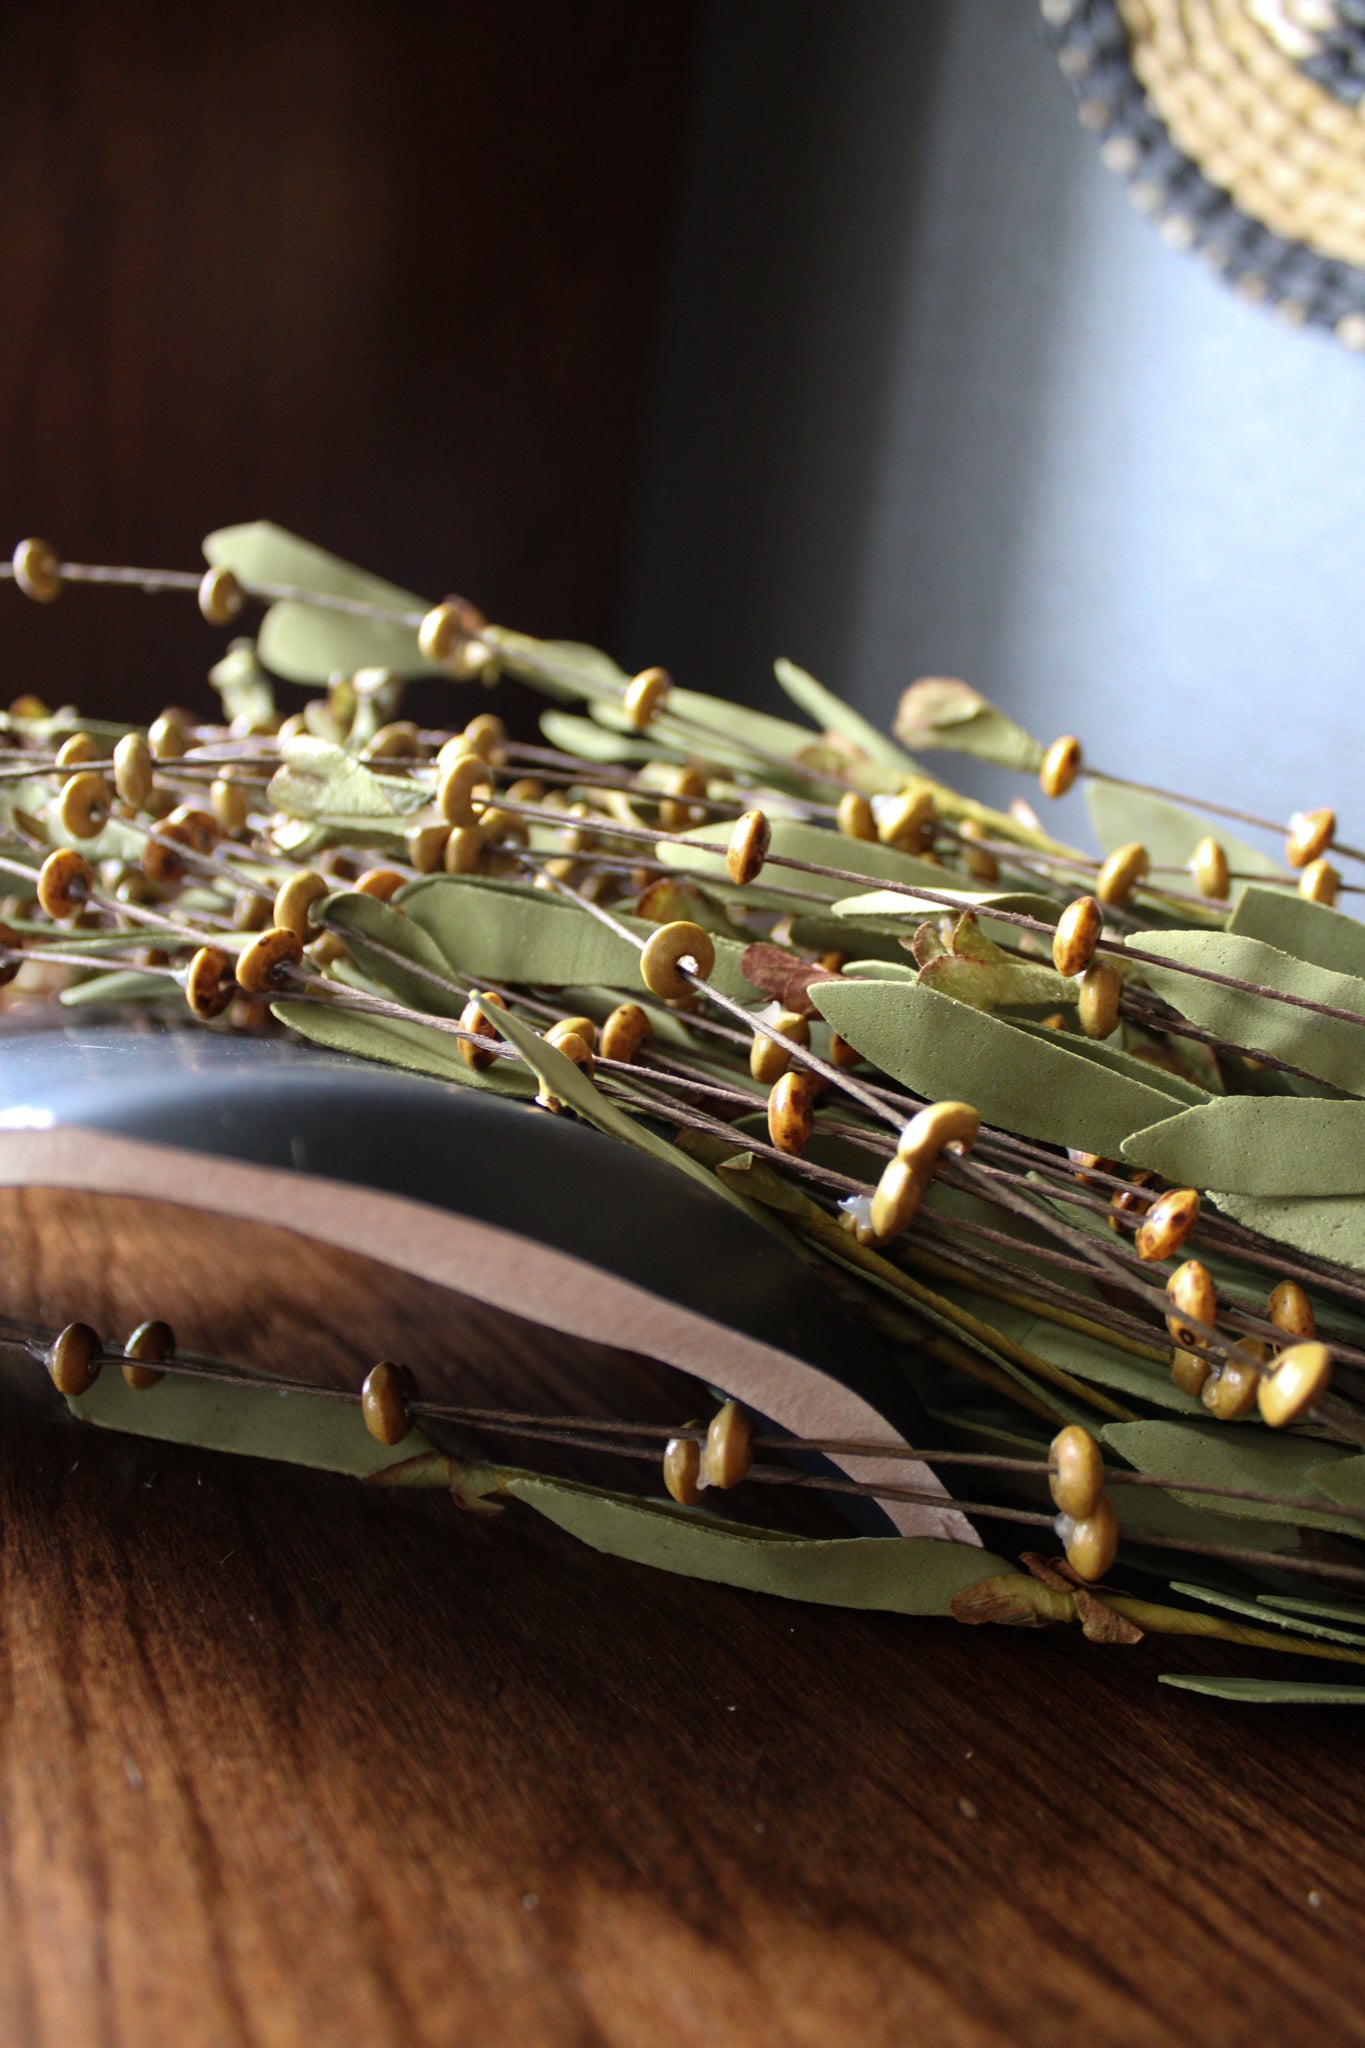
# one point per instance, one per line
(934, 399)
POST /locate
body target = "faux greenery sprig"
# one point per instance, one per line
(1080, 1135)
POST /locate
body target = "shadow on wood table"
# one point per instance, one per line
(283, 1761)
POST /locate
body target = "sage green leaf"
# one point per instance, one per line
(831, 714)
(587, 740)
(1256, 1610)
(565, 669)
(394, 1042)
(941, 712)
(892, 1574)
(496, 935)
(297, 639)
(375, 931)
(1327, 1047)
(243, 685)
(995, 984)
(319, 779)
(731, 735)
(884, 906)
(1120, 1061)
(1218, 1454)
(1169, 832)
(1310, 931)
(1024, 1082)
(1340, 1608)
(1269, 1692)
(254, 1422)
(124, 986)
(1325, 1226)
(1342, 1480)
(703, 853)
(1256, 1145)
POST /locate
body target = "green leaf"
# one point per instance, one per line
(121, 986)
(1269, 1692)
(1326, 1047)
(585, 739)
(488, 934)
(297, 639)
(369, 924)
(319, 779)
(1310, 931)
(393, 1042)
(941, 712)
(1342, 1608)
(1120, 1061)
(254, 1422)
(1259, 1145)
(243, 685)
(1222, 1455)
(1342, 1480)
(1327, 1227)
(1026, 1083)
(561, 668)
(831, 714)
(892, 1574)
(1256, 1610)
(995, 984)
(703, 853)
(1169, 833)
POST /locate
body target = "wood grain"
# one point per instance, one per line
(283, 1761)
(385, 276)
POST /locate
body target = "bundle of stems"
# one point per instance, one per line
(1079, 1137)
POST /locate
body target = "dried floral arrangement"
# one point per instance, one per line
(1080, 1138)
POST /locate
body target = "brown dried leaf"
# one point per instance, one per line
(783, 975)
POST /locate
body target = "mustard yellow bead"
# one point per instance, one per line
(1310, 835)
(1091, 1541)
(77, 751)
(209, 982)
(445, 632)
(150, 1344)
(729, 1447)
(1167, 1224)
(939, 1127)
(221, 596)
(133, 769)
(1300, 1378)
(295, 900)
(1291, 1311)
(1121, 873)
(1209, 867)
(668, 951)
(1320, 883)
(1190, 1371)
(1061, 766)
(37, 570)
(398, 741)
(1098, 1000)
(1078, 932)
(1193, 1298)
(230, 801)
(463, 790)
(748, 848)
(625, 1032)
(83, 806)
(1075, 1472)
(474, 1019)
(1231, 1388)
(768, 1062)
(11, 955)
(855, 817)
(74, 1360)
(581, 1027)
(897, 1196)
(682, 1470)
(169, 735)
(426, 846)
(264, 965)
(645, 697)
(65, 881)
(791, 1112)
(464, 850)
(486, 735)
(384, 1405)
(381, 883)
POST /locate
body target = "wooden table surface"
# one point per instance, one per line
(286, 1761)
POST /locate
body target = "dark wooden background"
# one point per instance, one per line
(385, 274)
